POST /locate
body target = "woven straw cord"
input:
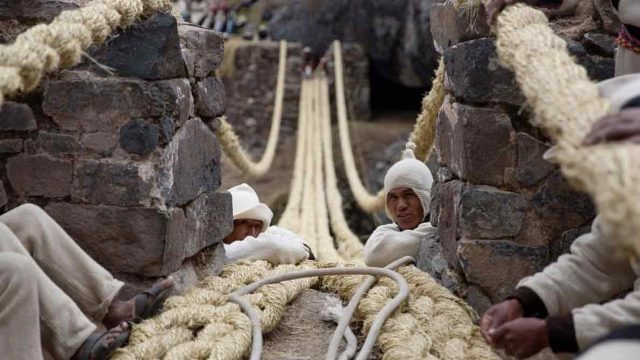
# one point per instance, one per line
(46, 48)
(566, 103)
(230, 142)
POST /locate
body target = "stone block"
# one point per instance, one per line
(53, 143)
(76, 100)
(138, 241)
(598, 68)
(478, 300)
(16, 117)
(185, 278)
(137, 136)
(476, 144)
(562, 245)
(148, 50)
(474, 74)
(10, 146)
(190, 164)
(202, 49)
(101, 143)
(430, 250)
(209, 98)
(450, 26)
(208, 220)
(496, 266)
(3, 195)
(36, 10)
(40, 175)
(490, 213)
(561, 207)
(112, 182)
(449, 208)
(531, 166)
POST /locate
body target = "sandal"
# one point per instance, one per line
(149, 302)
(93, 349)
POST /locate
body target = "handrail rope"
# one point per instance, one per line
(366, 201)
(307, 207)
(47, 47)
(348, 244)
(424, 132)
(566, 103)
(230, 142)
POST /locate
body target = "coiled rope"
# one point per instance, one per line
(46, 48)
(230, 142)
(566, 103)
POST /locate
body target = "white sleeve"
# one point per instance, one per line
(388, 243)
(276, 245)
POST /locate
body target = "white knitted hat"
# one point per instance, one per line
(412, 173)
(246, 205)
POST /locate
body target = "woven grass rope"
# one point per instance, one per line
(566, 103)
(46, 48)
(231, 144)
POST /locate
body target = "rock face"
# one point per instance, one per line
(502, 211)
(395, 34)
(123, 162)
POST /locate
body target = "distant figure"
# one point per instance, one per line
(220, 17)
(407, 189)
(309, 62)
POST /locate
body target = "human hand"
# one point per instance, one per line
(522, 338)
(622, 126)
(497, 315)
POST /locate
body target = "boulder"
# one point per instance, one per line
(17, 117)
(490, 213)
(209, 98)
(53, 143)
(202, 49)
(11, 146)
(531, 167)
(40, 175)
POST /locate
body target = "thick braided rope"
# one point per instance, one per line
(45, 48)
(202, 324)
(231, 144)
(566, 103)
(348, 244)
(434, 324)
(424, 132)
(366, 201)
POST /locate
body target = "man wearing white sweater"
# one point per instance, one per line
(253, 239)
(407, 187)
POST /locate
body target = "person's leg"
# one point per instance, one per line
(34, 311)
(627, 62)
(620, 344)
(76, 273)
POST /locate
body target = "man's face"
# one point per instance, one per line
(406, 208)
(243, 228)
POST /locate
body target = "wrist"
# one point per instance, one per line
(516, 308)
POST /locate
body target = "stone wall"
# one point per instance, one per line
(250, 89)
(502, 211)
(121, 153)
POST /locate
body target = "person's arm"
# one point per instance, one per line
(387, 243)
(276, 245)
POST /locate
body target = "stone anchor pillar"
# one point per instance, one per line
(502, 211)
(124, 158)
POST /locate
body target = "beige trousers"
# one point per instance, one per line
(627, 62)
(613, 350)
(47, 285)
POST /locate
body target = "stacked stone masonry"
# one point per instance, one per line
(502, 211)
(121, 154)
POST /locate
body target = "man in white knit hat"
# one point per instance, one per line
(407, 188)
(253, 239)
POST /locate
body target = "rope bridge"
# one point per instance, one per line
(431, 323)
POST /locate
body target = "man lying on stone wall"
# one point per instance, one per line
(628, 11)
(562, 306)
(407, 187)
(253, 239)
(52, 292)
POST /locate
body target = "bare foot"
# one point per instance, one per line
(141, 306)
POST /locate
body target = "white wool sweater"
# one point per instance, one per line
(388, 243)
(276, 245)
(583, 284)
